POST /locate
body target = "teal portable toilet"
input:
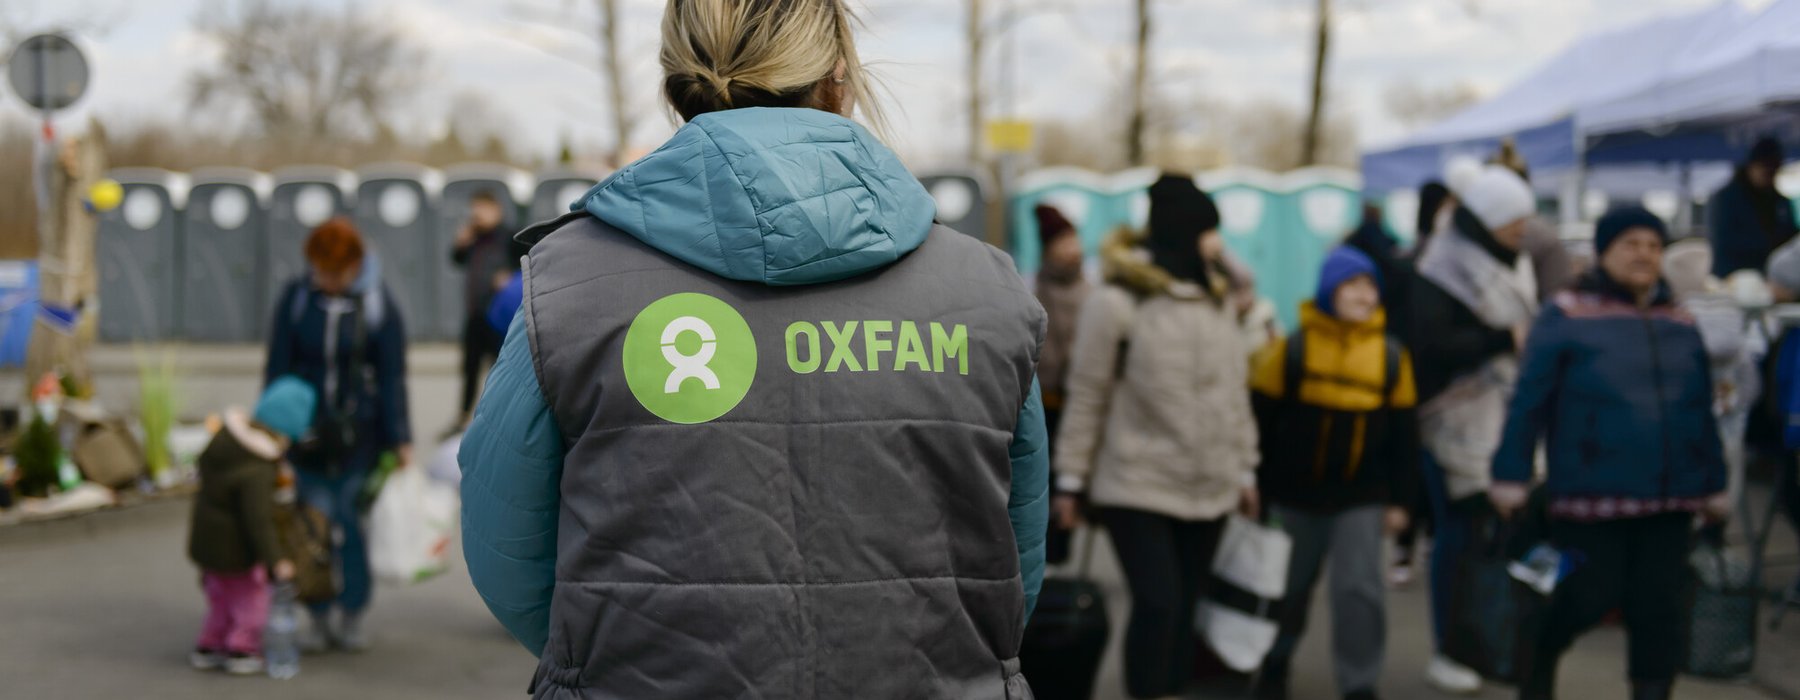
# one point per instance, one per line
(1321, 207)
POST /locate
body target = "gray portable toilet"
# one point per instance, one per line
(961, 203)
(396, 211)
(304, 197)
(461, 182)
(138, 249)
(224, 223)
(556, 190)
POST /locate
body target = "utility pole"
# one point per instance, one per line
(1140, 79)
(977, 41)
(614, 68)
(1309, 153)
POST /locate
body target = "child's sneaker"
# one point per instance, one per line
(350, 635)
(316, 639)
(206, 660)
(244, 665)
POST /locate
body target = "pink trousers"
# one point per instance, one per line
(237, 607)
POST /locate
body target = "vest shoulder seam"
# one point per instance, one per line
(777, 584)
(798, 423)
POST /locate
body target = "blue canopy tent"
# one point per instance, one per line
(1712, 105)
(1542, 112)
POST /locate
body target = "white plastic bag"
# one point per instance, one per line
(1249, 578)
(443, 467)
(410, 527)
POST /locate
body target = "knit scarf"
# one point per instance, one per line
(1461, 427)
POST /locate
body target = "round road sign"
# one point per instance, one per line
(48, 71)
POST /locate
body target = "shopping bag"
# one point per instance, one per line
(410, 527)
(1239, 617)
(1722, 614)
(1494, 617)
(443, 467)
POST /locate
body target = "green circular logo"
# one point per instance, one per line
(689, 358)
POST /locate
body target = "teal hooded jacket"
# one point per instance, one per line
(693, 199)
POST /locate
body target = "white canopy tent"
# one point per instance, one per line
(1543, 113)
(1736, 78)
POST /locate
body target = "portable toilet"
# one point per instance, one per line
(513, 187)
(304, 197)
(396, 211)
(961, 203)
(138, 250)
(224, 224)
(556, 190)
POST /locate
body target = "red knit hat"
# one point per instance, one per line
(1052, 224)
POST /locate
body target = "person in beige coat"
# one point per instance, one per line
(1157, 434)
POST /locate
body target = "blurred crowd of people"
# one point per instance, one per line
(1593, 402)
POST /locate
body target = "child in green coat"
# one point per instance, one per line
(232, 538)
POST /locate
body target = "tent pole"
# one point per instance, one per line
(1575, 190)
(1684, 212)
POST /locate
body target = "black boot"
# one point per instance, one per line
(1271, 683)
(1657, 690)
(1540, 679)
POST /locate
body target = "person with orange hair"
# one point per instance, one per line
(338, 329)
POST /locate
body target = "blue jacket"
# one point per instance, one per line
(1625, 396)
(1787, 387)
(512, 456)
(377, 395)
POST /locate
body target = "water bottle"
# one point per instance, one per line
(281, 639)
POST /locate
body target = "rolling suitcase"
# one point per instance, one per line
(1067, 635)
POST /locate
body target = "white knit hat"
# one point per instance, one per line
(1497, 196)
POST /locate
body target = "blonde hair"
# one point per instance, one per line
(728, 54)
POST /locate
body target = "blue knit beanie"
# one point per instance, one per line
(1344, 264)
(287, 407)
(1622, 219)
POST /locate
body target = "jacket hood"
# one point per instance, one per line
(1125, 262)
(772, 195)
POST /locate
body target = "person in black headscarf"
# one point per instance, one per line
(1157, 432)
(1433, 198)
(1748, 219)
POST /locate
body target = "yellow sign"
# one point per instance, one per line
(1010, 136)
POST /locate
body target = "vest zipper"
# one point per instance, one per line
(1662, 408)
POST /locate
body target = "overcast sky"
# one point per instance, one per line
(1070, 55)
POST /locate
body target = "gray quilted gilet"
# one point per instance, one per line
(839, 532)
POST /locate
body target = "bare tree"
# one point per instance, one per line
(1309, 150)
(1140, 79)
(623, 118)
(1415, 105)
(301, 72)
(605, 51)
(1260, 135)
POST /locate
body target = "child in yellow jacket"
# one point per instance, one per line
(1335, 404)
